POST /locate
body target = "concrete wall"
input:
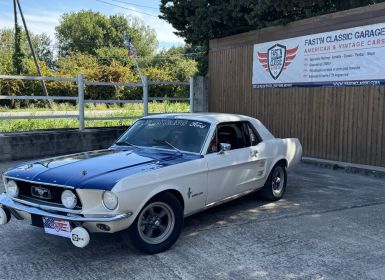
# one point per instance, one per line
(37, 144)
(200, 102)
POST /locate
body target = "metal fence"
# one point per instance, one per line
(81, 101)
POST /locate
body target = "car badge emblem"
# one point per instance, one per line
(84, 172)
(41, 192)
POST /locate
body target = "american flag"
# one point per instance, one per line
(56, 224)
(131, 48)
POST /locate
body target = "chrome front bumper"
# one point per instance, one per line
(7, 202)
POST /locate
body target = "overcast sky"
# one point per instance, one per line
(43, 15)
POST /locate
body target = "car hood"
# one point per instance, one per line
(97, 169)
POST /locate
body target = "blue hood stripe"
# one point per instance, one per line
(97, 169)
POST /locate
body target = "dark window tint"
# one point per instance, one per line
(254, 137)
(230, 133)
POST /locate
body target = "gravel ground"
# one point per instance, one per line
(330, 225)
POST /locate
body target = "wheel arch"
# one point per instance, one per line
(175, 193)
(162, 189)
(282, 161)
(278, 161)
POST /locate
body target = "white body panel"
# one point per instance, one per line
(233, 172)
(214, 177)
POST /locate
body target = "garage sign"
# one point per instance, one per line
(348, 57)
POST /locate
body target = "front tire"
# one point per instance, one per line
(275, 185)
(157, 226)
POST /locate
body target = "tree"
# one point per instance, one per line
(179, 60)
(142, 36)
(88, 31)
(42, 44)
(201, 20)
(341, 5)
(6, 51)
(84, 31)
(108, 55)
(18, 54)
(77, 62)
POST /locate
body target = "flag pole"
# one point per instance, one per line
(138, 68)
(133, 53)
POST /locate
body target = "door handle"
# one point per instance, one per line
(254, 153)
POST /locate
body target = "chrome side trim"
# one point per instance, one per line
(40, 183)
(219, 202)
(10, 204)
(230, 198)
(46, 207)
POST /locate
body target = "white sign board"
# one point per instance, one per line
(348, 57)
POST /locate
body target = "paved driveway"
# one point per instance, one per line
(329, 226)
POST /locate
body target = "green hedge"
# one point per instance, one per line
(93, 70)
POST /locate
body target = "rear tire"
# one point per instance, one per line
(157, 226)
(275, 186)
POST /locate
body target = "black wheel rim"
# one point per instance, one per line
(278, 181)
(156, 223)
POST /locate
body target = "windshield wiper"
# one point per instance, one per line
(168, 144)
(125, 143)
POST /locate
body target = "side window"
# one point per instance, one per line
(230, 133)
(255, 139)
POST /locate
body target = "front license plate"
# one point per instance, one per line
(57, 227)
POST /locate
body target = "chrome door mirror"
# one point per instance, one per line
(224, 147)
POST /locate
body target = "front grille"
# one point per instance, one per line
(43, 194)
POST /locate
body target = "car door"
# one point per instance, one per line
(234, 171)
(259, 156)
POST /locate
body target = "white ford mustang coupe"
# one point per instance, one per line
(159, 171)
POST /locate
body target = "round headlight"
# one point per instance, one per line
(110, 200)
(12, 189)
(69, 200)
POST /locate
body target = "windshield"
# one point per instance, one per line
(172, 134)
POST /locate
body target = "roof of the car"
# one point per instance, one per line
(205, 117)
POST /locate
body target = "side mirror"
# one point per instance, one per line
(224, 147)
